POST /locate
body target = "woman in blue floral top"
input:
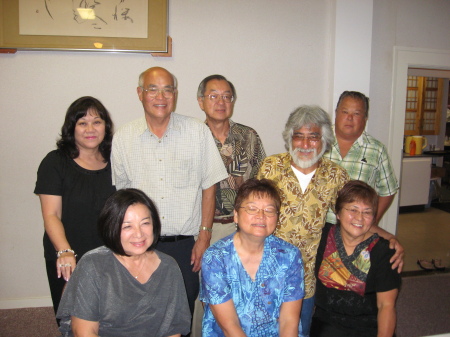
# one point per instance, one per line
(252, 282)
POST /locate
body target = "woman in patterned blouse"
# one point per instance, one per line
(252, 282)
(356, 286)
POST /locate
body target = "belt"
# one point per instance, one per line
(224, 221)
(174, 238)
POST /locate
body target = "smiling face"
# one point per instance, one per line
(355, 218)
(157, 108)
(216, 111)
(259, 224)
(351, 118)
(89, 131)
(136, 235)
(307, 148)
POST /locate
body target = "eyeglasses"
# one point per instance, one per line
(216, 97)
(356, 213)
(253, 210)
(153, 92)
(311, 138)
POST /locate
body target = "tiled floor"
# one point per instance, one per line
(424, 235)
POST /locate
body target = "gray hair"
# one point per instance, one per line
(309, 115)
(202, 86)
(141, 77)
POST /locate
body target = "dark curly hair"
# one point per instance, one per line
(77, 110)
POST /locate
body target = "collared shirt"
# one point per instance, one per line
(367, 160)
(302, 214)
(172, 170)
(242, 154)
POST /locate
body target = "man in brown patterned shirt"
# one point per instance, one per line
(242, 153)
(308, 186)
(240, 147)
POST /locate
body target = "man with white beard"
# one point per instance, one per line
(308, 187)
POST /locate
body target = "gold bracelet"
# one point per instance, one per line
(203, 228)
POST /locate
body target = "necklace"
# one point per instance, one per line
(143, 263)
(129, 269)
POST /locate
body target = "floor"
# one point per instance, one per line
(425, 235)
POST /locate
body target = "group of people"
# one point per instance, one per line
(287, 232)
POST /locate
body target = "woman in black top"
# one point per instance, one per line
(73, 182)
(356, 286)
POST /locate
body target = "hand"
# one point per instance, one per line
(397, 258)
(65, 265)
(200, 246)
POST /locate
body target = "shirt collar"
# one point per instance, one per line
(173, 124)
(229, 120)
(230, 133)
(361, 139)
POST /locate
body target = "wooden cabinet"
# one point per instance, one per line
(423, 105)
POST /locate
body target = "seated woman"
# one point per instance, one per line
(356, 286)
(252, 281)
(126, 288)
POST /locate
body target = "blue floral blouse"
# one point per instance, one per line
(279, 279)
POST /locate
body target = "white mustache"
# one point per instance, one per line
(303, 150)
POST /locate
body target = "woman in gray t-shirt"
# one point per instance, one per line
(126, 288)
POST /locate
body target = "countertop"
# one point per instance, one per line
(433, 154)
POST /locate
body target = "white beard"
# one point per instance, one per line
(305, 164)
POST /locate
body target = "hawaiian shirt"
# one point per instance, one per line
(302, 214)
(258, 302)
(367, 160)
(242, 154)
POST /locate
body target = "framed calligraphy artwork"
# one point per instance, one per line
(84, 25)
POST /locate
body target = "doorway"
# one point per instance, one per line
(405, 58)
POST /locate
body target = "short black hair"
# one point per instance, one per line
(260, 188)
(359, 191)
(113, 212)
(78, 109)
(202, 86)
(355, 95)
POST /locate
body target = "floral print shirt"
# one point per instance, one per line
(242, 154)
(279, 279)
(303, 214)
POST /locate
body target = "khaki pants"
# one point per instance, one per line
(219, 232)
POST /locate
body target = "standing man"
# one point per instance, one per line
(308, 186)
(241, 150)
(174, 160)
(364, 157)
(239, 146)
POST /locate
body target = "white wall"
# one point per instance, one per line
(353, 47)
(277, 53)
(413, 24)
(407, 23)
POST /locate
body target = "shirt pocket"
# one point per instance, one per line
(183, 174)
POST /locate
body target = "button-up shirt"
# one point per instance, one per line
(302, 214)
(242, 154)
(172, 170)
(368, 161)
